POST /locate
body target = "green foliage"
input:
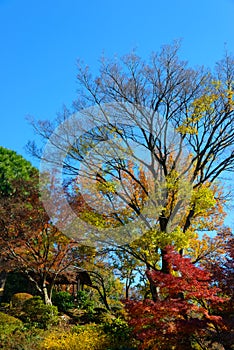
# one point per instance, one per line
(63, 300)
(39, 314)
(119, 333)
(12, 167)
(8, 324)
(85, 308)
(22, 339)
(83, 301)
(13, 334)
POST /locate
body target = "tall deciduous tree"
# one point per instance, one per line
(174, 123)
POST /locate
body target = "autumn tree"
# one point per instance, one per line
(152, 140)
(184, 313)
(30, 244)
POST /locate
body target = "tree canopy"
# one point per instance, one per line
(13, 167)
(148, 146)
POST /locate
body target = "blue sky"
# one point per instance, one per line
(41, 41)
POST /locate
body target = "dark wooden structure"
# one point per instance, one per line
(75, 278)
(72, 278)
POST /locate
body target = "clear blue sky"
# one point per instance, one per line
(42, 39)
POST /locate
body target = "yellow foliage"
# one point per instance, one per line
(88, 337)
(203, 199)
(106, 187)
(176, 238)
(187, 129)
(205, 247)
(203, 104)
(151, 241)
(230, 95)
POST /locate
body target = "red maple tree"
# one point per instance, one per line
(186, 311)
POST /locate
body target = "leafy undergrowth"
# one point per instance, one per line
(112, 333)
(90, 337)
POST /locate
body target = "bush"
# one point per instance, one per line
(9, 324)
(38, 314)
(83, 301)
(63, 300)
(88, 337)
(19, 299)
(84, 312)
(14, 335)
(22, 339)
(119, 333)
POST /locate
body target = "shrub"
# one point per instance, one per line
(88, 337)
(8, 324)
(19, 299)
(22, 339)
(39, 314)
(84, 313)
(83, 301)
(14, 335)
(119, 333)
(63, 300)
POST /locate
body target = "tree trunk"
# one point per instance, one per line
(153, 289)
(166, 268)
(103, 297)
(46, 295)
(127, 287)
(126, 291)
(3, 277)
(163, 222)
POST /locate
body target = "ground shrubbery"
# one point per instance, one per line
(8, 324)
(19, 299)
(36, 313)
(14, 334)
(88, 337)
(113, 336)
(38, 328)
(22, 339)
(118, 332)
